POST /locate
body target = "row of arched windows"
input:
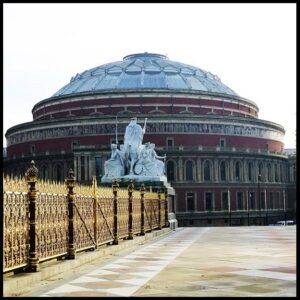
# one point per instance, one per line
(57, 172)
(239, 172)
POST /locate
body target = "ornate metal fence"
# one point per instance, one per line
(15, 223)
(46, 220)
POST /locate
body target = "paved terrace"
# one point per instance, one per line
(194, 261)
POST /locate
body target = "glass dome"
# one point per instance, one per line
(145, 71)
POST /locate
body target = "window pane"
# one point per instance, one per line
(190, 201)
(240, 200)
(208, 201)
(82, 168)
(237, 171)
(269, 173)
(206, 170)
(225, 200)
(252, 200)
(271, 200)
(223, 170)
(98, 163)
(262, 200)
(189, 171)
(170, 171)
(250, 175)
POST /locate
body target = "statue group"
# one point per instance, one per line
(133, 159)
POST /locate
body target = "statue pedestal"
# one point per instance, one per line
(137, 179)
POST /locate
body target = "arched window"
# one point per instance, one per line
(260, 170)
(276, 173)
(238, 171)
(250, 171)
(58, 173)
(170, 170)
(189, 171)
(269, 172)
(45, 172)
(223, 171)
(206, 170)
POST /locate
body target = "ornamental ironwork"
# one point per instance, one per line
(69, 218)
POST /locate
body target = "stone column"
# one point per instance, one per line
(180, 169)
(231, 170)
(245, 173)
(65, 169)
(79, 169)
(75, 167)
(272, 172)
(215, 170)
(86, 173)
(198, 169)
(90, 167)
(255, 171)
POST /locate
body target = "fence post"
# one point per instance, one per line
(31, 178)
(70, 181)
(115, 191)
(159, 209)
(166, 208)
(150, 213)
(130, 209)
(95, 208)
(142, 190)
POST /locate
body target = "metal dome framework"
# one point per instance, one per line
(145, 71)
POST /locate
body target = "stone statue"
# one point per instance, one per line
(149, 163)
(114, 167)
(135, 160)
(132, 141)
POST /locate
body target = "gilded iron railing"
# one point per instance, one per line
(45, 220)
(136, 212)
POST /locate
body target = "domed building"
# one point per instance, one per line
(226, 165)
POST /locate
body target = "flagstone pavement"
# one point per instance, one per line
(194, 261)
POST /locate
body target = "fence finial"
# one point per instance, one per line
(32, 172)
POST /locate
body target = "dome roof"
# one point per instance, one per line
(145, 71)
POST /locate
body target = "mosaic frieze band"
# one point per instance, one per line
(99, 129)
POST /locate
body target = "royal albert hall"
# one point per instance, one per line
(227, 166)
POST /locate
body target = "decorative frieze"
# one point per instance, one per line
(157, 127)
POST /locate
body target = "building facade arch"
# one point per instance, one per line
(223, 170)
(250, 171)
(171, 165)
(207, 170)
(58, 174)
(238, 170)
(189, 170)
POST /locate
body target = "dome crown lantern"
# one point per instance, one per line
(145, 56)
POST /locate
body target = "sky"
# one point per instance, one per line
(250, 47)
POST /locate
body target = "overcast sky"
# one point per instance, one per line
(251, 47)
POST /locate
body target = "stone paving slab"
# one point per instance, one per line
(197, 262)
(232, 262)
